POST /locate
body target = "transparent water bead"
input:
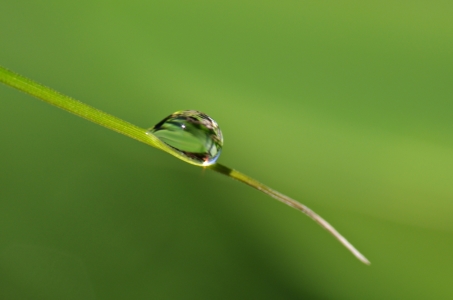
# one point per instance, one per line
(192, 133)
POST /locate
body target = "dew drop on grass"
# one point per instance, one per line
(193, 134)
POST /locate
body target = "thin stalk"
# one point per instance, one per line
(290, 202)
(92, 114)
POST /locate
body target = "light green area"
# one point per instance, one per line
(343, 106)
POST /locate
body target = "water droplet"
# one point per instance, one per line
(192, 133)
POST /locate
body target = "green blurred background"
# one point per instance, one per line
(346, 107)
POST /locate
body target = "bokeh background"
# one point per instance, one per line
(346, 106)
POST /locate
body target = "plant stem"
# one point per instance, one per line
(290, 202)
(73, 106)
(116, 124)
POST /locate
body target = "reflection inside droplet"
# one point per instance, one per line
(192, 133)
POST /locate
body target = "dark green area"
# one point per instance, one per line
(347, 107)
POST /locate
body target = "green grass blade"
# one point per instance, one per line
(92, 114)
